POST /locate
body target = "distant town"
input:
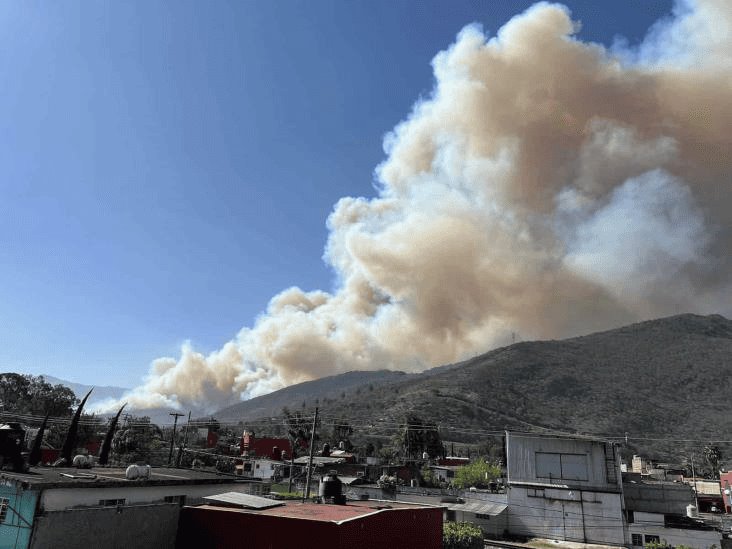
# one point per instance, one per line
(71, 479)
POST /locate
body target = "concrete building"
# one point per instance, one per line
(672, 531)
(100, 508)
(357, 525)
(564, 488)
(657, 512)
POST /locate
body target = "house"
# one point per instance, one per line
(708, 494)
(101, 508)
(658, 511)
(491, 517)
(357, 525)
(725, 481)
(264, 469)
(444, 473)
(564, 488)
(269, 447)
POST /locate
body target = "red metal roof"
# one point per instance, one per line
(324, 512)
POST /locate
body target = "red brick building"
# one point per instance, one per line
(357, 525)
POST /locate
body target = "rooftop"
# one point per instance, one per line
(323, 512)
(71, 477)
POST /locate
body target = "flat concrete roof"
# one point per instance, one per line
(71, 477)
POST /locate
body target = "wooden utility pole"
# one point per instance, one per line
(306, 492)
(176, 415)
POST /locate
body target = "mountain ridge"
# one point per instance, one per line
(659, 379)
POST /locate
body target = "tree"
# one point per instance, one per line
(461, 535)
(419, 437)
(479, 474)
(342, 432)
(138, 440)
(32, 395)
(299, 429)
(429, 479)
(713, 455)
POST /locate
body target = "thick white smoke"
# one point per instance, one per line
(547, 187)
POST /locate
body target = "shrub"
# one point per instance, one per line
(461, 535)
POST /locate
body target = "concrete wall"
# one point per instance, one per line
(141, 527)
(566, 514)
(698, 539)
(15, 530)
(522, 457)
(493, 526)
(58, 499)
(666, 498)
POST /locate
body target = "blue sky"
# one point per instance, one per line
(166, 168)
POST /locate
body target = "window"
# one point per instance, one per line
(652, 539)
(535, 493)
(637, 540)
(561, 466)
(630, 516)
(111, 502)
(482, 516)
(180, 500)
(4, 503)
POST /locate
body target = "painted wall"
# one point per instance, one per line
(58, 499)
(141, 527)
(397, 528)
(15, 531)
(566, 514)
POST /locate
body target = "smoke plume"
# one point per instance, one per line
(547, 187)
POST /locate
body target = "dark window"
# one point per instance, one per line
(561, 466)
(111, 502)
(637, 540)
(631, 517)
(4, 503)
(652, 539)
(482, 516)
(180, 500)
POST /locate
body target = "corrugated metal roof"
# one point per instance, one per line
(479, 507)
(243, 500)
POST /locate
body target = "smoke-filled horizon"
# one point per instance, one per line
(546, 187)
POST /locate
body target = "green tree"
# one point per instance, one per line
(429, 479)
(713, 455)
(32, 395)
(479, 474)
(461, 535)
(138, 440)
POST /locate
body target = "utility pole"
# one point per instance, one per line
(176, 415)
(693, 474)
(185, 441)
(292, 455)
(306, 493)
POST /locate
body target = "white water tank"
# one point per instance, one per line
(692, 511)
(134, 472)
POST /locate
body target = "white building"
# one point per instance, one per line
(564, 488)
